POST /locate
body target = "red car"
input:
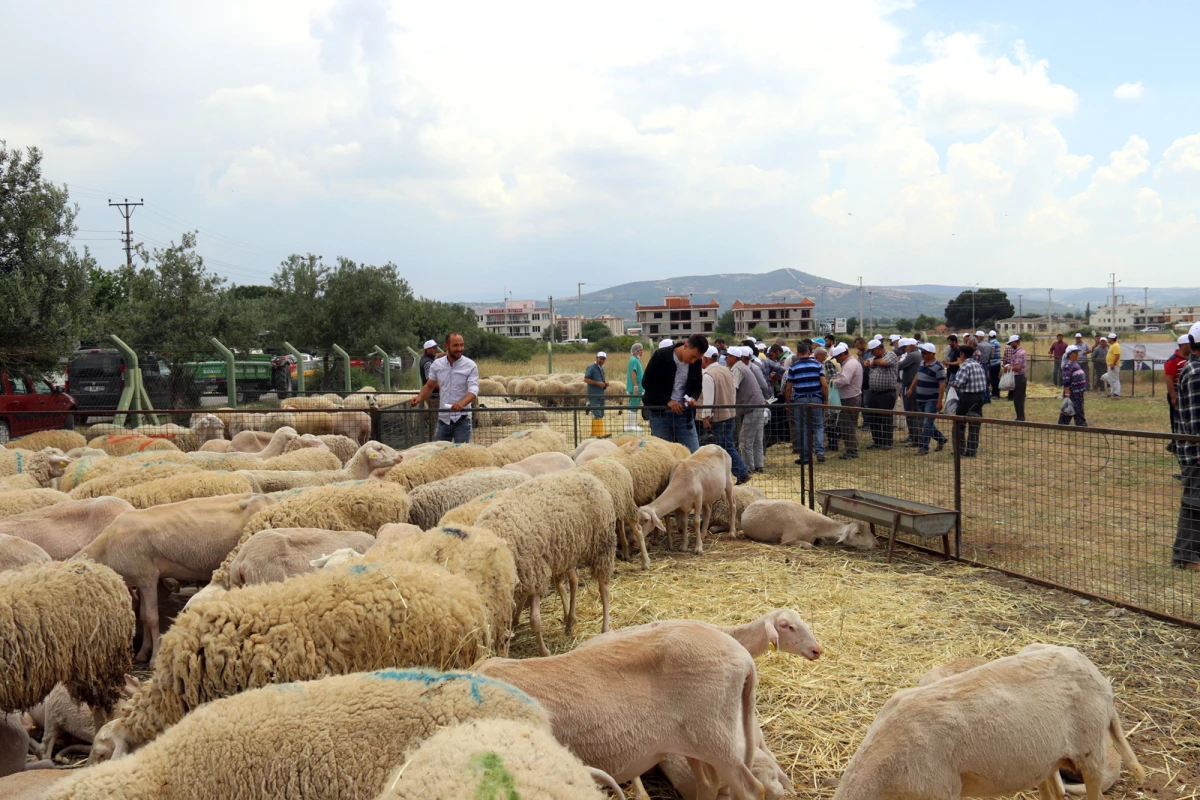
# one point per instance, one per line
(24, 394)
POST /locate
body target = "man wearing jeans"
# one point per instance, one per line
(971, 383)
(752, 412)
(671, 383)
(427, 358)
(882, 373)
(849, 385)
(456, 379)
(717, 391)
(928, 391)
(807, 384)
(1185, 553)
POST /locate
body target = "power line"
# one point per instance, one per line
(126, 209)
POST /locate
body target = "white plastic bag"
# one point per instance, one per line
(1008, 382)
(1068, 408)
(950, 402)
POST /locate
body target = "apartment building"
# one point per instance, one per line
(789, 320)
(1023, 325)
(1129, 316)
(516, 319)
(678, 317)
(572, 327)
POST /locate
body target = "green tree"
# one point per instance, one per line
(904, 325)
(759, 332)
(926, 323)
(45, 293)
(989, 306)
(852, 326)
(594, 330)
(725, 324)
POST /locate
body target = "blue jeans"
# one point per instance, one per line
(672, 427)
(818, 424)
(928, 428)
(457, 432)
(723, 431)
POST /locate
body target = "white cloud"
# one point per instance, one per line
(1129, 91)
(1183, 155)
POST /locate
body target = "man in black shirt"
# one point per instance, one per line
(672, 384)
(432, 403)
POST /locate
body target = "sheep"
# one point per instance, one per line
(460, 761)
(16, 553)
(341, 446)
(491, 388)
(1054, 692)
(468, 513)
(260, 443)
(577, 391)
(37, 468)
(541, 464)
(650, 463)
(60, 714)
(187, 486)
(244, 442)
(274, 743)
(743, 496)
(207, 428)
(431, 501)
(63, 622)
(185, 541)
(307, 403)
(354, 425)
(789, 522)
(590, 449)
(23, 500)
(430, 467)
(619, 483)
(308, 458)
(58, 439)
(550, 392)
(475, 553)
(696, 483)
(85, 452)
(523, 444)
(425, 448)
(63, 529)
(354, 506)
(126, 444)
(523, 388)
(91, 467)
(133, 474)
(327, 622)
(369, 458)
(1112, 759)
(553, 523)
(277, 554)
(185, 438)
(693, 686)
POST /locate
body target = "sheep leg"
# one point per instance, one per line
(639, 791)
(535, 623)
(641, 540)
(681, 523)
(705, 779)
(740, 780)
(700, 528)
(148, 592)
(1049, 788)
(624, 541)
(561, 587)
(602, 582)
(573, 577)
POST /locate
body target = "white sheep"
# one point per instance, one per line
(590, 449)
(554, 523)
(16, 553)
(366, 460)
(619, 482)
(61, 714)
(743, 496)
(24, 500)
(125, 444)
(185, 541)
(441, 463)
(63, 529)
(89, 468)
(695, 484)
(22, 469)
(789, 522)
(523, 444)
(431, 501)
(693, 688)
(460, 761)
(127, 476)
(1042, 709)
(277, 554)
(541, 464)
(56, 439)
(274, 743)
(650, 462)
(327, 622)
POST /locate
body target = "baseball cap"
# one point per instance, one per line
(895, 337)
(665, 343)
(991, 333)
(928, 347)
(1014, 338)
(1182, 340)
(838, 349)
(711, 352)
(1112, 336)
(1194, 331)
(1071, 349)
(1079, 336)
(751, 339)
(428, 344)
(603, 354)
(980, 333)
(871, 345)
(760, 346)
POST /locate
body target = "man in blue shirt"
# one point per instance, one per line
(807, 385)
(593, 376)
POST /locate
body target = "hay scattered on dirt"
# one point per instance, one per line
(882, 627)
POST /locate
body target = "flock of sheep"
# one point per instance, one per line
(342, 615)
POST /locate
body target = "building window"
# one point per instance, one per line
(704, 313)
(653, 328)
(773, 325)
(755, 315)
(674, 326)
(658, 315)
(708, 327)
(771, 314)
(537, 328)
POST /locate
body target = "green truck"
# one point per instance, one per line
(253, 373)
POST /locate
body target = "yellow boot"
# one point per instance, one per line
(597, 428)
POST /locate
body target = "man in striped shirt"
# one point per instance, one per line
(971, 384)
(807, 384)
(928, 391)
(882, 365)
(1186, 550)
(1016, 361)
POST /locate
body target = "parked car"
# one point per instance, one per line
(1151, 329)
(96, 378)
(25, 394)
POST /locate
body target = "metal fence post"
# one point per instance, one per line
(956, 443)
(575, 419)
(230, 371)
(345, 366)
(299, 366)
(811, 459)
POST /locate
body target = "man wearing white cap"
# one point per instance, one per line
(596, 382)
(882, 365)
(1171, 370)
(849, 382)
(1185, 552)
(715, 412)
(665, 343)
(427, 358)
(994, 364)
(983, 352)
(928, 391)
(808, 387)
(1085, 351)
(751, 397)
(910, 360)
(456, 380)
(1016, 361)
(1074, 385)
(1113, 361)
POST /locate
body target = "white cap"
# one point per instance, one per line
(761, 346)
(991, 333)
(1079, 336)
(838, 349)
(665, 343)
(871, 345)
(894, 337)
(1194, 331)
(980, 333)
(428, 344)
(1071, 349)
(1182, 340)
(787, 350)
(907, 342)
(602, 354)
(712, 352)
(751, 339)
(1112, 336)
(1014, 338)
(928, 347)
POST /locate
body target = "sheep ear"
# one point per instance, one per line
(772, 634)
(841, 539)
(658, 523)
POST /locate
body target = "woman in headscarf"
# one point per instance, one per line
(633, 387)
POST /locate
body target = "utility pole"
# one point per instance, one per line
(1049, 308)
(579, 306)
(1020, 312)
(861, 319)
(126, 211)
(1113, 277)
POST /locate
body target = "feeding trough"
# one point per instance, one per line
(907, 516)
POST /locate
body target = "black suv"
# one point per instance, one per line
(96, 377)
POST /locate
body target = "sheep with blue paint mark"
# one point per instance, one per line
(431, 501)
(24, 469)
(328, 622)
(274, 743)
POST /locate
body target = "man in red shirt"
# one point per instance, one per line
(1171, 368)
(1057, 351)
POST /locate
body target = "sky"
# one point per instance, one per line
(492, 147)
